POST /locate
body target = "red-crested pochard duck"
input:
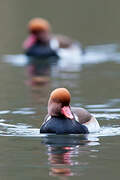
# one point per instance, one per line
(64, 119)
(41, 42)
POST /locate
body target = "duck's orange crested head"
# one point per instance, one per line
(60, 95)
(38, 24)
(59, 103)
(39, 30)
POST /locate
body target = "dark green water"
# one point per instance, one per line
(92, 78)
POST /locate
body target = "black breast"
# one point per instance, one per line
(41, 51)
(63, 126)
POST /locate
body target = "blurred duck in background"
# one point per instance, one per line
(41, 43)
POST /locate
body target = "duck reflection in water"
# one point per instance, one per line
(59, 158)
(61, 150)
(39, 71)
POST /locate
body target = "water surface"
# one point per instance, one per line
(94, 85)
(92, 78)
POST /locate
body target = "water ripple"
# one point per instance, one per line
(107, 116)
(24, 111)
(4, 112)
(28, 131)
(108, 131)
(105, 110)
(19, 129)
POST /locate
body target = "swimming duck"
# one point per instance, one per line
(42, 43)
(64, 119)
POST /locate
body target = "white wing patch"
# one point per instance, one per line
(92, 125)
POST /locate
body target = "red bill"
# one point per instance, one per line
(66, 111)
